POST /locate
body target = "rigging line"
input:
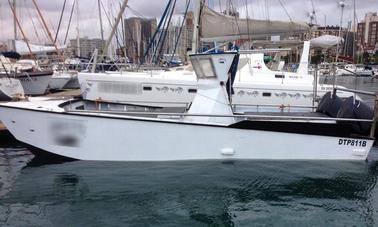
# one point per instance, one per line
(69, 22)
(284, 8)
(60, 21)
(236, 18)
(313, 11)
(41, 25)
(246, 11)
(21, 30)
(118, 43)
(34, 27)
(167, 30)
(182, 25)
(156, 32)
(111, 25)
(164, 30)
(109, 21)
(137, 13)
(123, 33)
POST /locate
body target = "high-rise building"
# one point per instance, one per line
(138, 34)
(367, 32)
(328, 30)
(87, 46)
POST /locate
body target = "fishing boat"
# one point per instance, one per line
(208, 130)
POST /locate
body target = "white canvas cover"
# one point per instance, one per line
(22, 48)
(326, 41)
(219, 27)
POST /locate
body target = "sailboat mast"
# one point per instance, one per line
(114, 29)
(14, 25)
(354, 31)
(101, 27)
(47, 30)
(77, 30)
(22, 31)
(195, 39)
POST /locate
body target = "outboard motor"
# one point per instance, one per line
(330, 105)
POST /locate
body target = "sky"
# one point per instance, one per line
(327, 12)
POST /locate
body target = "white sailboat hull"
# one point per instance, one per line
(256, 88)
(59, 80)
(10, 89)
(35, 83)
(87, 137)
(175, 93)
(73, 83)
(167, 90)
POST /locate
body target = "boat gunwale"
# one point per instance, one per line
(232, 126)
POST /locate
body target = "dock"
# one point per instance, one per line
(65, 94)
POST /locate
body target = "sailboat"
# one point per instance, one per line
(34, 81)
(209, 130)
(255, 86)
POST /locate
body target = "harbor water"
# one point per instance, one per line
(202, 193)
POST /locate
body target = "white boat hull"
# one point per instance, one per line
(73, 83)
(35, 83)
(10, 89)
(170, 93)
(87, 137)
(59, 80)
(169, 90)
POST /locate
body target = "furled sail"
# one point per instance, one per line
(218, 27)
(326, 41)
(22, 48)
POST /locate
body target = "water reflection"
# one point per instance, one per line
(193, 193)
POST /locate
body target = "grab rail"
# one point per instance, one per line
(354, 91)
(251, 116)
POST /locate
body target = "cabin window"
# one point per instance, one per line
(207, 68)
(203, 68)
(191, 90)
(147, 88)
(279, 76)
(266, 94)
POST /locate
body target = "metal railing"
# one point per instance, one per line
(248, 116)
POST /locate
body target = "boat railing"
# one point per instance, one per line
(280, 107)
(335, 89)
(246, 116)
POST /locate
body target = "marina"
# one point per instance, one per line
(188, 113)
